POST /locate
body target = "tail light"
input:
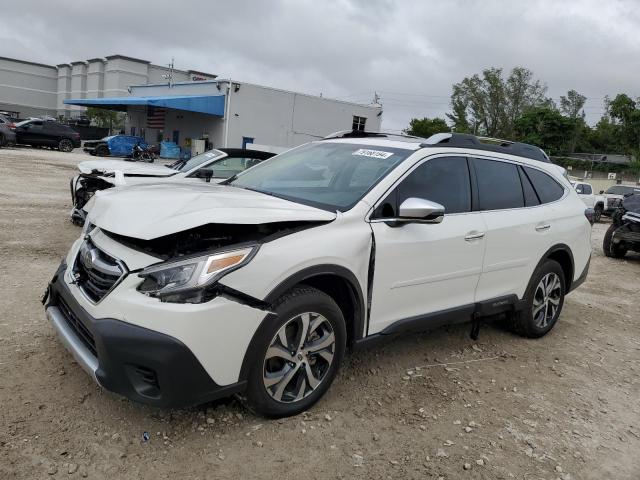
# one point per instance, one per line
(590, 213)
(12, 126)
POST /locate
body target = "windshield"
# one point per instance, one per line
(23, 122)
(622, 190)
(197, 161)
(332, 176)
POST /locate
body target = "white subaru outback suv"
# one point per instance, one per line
(178, 294)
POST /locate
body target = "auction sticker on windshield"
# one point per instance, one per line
(363, 152)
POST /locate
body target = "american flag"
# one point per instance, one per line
(155, 117)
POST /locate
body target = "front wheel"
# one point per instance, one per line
(614, 250)
(65, 145)
(299, 353)
(102, 151)
(543, 301)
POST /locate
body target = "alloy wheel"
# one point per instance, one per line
(65, 145)
(299, 357)
(546, 300)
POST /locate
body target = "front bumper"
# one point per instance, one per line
(141, 364)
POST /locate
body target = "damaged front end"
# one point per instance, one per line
(195, 260)
(83, 187)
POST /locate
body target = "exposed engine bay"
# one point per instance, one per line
(211, 237)
(83, 187)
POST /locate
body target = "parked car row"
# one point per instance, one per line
(180, 291)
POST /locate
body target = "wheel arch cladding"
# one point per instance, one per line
(337, 282)
(561, 253)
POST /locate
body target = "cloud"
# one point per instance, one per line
(410, 52)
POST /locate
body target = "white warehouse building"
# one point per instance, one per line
(192, 108)
(228, 113)
(30, 89)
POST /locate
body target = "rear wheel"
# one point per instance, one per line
(543, 301)
(597, 213)
(299, 354)
(65, 145)
(614, 250)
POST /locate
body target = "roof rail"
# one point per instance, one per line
(363, 134)
(463, 140)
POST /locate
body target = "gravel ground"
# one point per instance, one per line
(565, 406)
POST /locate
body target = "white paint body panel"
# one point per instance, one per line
(129, 168)
(152, 211)
(424, 268)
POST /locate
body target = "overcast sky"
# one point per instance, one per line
(410, 52)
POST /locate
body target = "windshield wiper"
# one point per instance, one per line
(229, 180)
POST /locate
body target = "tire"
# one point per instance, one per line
(102, 151)
(285, 381)
(611, 249)
(597, 213)
(65, 145)
(541, 310)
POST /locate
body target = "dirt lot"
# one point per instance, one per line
(565, 406)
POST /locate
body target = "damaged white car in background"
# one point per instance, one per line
(214, 165)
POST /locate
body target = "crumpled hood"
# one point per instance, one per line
(128, 168)
(152, 211)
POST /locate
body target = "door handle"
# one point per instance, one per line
(473, 235)
(542, 228)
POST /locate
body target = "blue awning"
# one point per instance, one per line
(207, 104)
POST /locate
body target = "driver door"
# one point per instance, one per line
(425, 273)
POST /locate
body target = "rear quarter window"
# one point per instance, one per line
(548, 189)
(499, 185)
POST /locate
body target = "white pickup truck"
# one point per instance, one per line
(606, 202)
(585, 192)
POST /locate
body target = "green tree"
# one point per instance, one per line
(489, 104)
(605, 137)
(572, 106)
(545, 127)
(624, 111)
(106, 118)
(425, 127)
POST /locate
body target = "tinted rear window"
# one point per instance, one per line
(499, 185)
(547, 188)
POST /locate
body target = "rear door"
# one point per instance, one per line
(422, 270)
(520, 222)
(51, 133)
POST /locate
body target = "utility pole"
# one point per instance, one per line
(169, 76)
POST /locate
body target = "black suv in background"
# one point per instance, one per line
(46, 133)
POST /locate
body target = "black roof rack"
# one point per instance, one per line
(463, 140)
(361, 134)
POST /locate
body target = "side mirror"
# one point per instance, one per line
(205, 173)
(601, 192)
(420, 210)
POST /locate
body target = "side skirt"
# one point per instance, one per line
(451, 316)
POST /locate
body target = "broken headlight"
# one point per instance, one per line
(187, 275)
